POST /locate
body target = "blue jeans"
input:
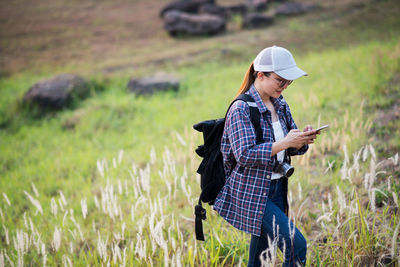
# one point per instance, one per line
(275, 217)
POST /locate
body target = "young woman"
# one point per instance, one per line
(254, 197)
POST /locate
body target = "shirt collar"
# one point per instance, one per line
(277, 102)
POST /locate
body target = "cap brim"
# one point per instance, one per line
(291, 74)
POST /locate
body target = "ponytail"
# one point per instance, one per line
(248, 80)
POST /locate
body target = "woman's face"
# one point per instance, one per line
(272, 85)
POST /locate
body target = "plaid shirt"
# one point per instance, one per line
(243, 198)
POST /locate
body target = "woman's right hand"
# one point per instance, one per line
(296, 139)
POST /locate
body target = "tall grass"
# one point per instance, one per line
(118, 187)
(143, 216)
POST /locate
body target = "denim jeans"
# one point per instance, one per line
(276, 224)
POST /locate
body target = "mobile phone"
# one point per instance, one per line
(322, 127)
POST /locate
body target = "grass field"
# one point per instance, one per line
(111, 180)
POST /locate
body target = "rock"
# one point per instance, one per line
(257, 5)
(256, 20)
(188, 6)
(213, 10)
(58, 91)
(293, 8)
(236, 9)
(180, 23)
(151, 85)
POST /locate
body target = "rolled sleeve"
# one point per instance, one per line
(242, 137)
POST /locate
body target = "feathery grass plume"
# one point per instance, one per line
(116, 253)
(325, 216)
(395, 159)
(395, 199)
(344, 169)
(6, 235)
(25, 221)
(76, 224)
(132, 213)
(96, 202)
(187, 191)
(269, 256)
(330, 165)
(84, 208)
(71, 247)
(31, 225)
(299, 193)
(356, 158)
(341, 200)
(35, 191)
(180, 138)
(114, 161)
(120, 156)
(56, 243)
(102, 247)
(330, 202)
(102, 167)
(7, 200)
(1, 215)
(8, 259)
(53, 206)
(1, 259)
(140, 248)
(44, 254)
(394, 252)
(171, 239)
(66, 261)
(35, 203)
(144, 175)
(166, 256)
(64, 217)
(300, 214)
(119, 187)
(153, 156)
(21, 245)
(365, 153)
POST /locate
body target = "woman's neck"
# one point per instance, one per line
(264, 96)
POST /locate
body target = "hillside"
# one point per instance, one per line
(111, 180)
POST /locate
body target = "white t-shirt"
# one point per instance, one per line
(278, 132)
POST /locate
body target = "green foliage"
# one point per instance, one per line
(59, 154)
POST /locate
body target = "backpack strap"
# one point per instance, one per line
(254, 115)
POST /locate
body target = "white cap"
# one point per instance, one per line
(279, 60)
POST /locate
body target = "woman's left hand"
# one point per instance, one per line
(309, 128)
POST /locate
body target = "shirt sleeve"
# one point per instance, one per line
(242, 137)
(293, 151)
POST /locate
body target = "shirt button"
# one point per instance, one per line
(265, 194)
(268, 176)
(260, 212)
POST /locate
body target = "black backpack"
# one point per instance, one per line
(211, 168)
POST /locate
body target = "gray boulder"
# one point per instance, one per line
(293, 8)
(151, 85)
(256, 20)
(257, 5)
(187, 6)
(240, 9)
(57, 92)
(180, 23)
(214, 10)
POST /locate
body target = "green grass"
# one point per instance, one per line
(59, 152)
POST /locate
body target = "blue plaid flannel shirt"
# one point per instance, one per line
(242, 200)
